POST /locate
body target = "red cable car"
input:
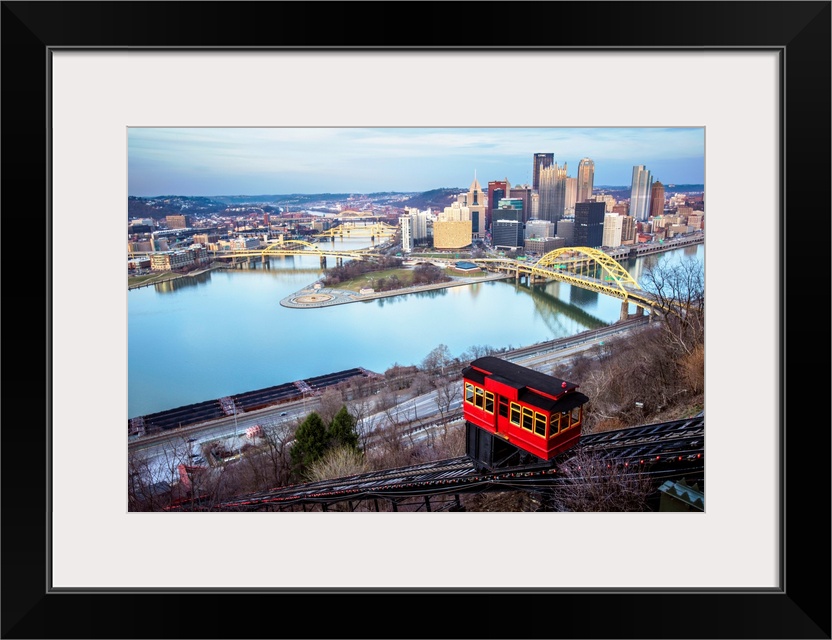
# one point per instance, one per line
(515, 416)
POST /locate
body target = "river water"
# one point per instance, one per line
(224, 332)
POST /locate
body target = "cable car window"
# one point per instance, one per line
(469, 392)
(576, 415)
(540, 424)
(502, 406)
(489, 402)
(564, 420)
(515, 413)
(554, 424)
(528, 419)
(478, 397)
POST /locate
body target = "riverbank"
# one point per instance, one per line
(311, 298)
(137, 282)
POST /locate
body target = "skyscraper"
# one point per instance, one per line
(640, 193)
(656, 199)
(476, 201)
(407, 236)
(589, 224)
(571, 195)
(552, 193)
(541, 161)
(497, 190)
(586, 177)
(524, 192)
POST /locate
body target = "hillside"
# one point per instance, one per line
(435, 199)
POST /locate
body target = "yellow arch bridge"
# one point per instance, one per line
(374, 230)
(291, 248)
(582, 267)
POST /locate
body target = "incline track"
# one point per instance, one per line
(664, 450)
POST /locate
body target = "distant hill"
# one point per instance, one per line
(162, 206)
(622, 192)
(435, 198)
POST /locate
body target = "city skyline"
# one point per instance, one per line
(215, 161)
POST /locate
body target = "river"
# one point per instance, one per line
(224, 332)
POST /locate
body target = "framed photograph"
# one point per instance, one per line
(78, 76)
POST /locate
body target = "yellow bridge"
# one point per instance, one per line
(582, 267)
(292, 248)
(376, 229)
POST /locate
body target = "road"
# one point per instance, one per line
(163, 453)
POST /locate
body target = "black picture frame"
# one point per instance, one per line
(800, 31)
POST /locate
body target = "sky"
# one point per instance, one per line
(212, 161)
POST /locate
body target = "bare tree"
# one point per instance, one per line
(437, 360)
(680, 290)
(331, 401)
(272, 459)
(448, 389)
(389, 448)
(591, 483)
(421, 383)
(142, 487)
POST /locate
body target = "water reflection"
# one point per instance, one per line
(177, 284)
(550, 306)
(583, 297)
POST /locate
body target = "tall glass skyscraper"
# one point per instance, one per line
(552, 192)
(541, 161)
(640, 193)
(586, 177)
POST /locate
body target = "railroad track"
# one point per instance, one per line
(670, 449)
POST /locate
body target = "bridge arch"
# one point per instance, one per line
(576, 259)
(283, 245)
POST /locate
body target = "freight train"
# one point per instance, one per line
(517, 417)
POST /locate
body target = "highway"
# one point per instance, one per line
(162, 453)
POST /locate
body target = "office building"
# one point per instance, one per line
(613, 229)
(566, 229)
(452, 229)
(497, 189)
(476, 201)
(509, 209)
(542, 246)
(523, 192)
(539, 229)
(586, 178)
(607, 199)
(541, 161)
(656, 199)
(621, 208)
(178, 222)
(507, 234)
(589, 224)
(571, 196)
(451, 234)
(628, 230)
(407, 236)
(640, 193)
(552, 193)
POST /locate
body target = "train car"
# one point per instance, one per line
(515, 416)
